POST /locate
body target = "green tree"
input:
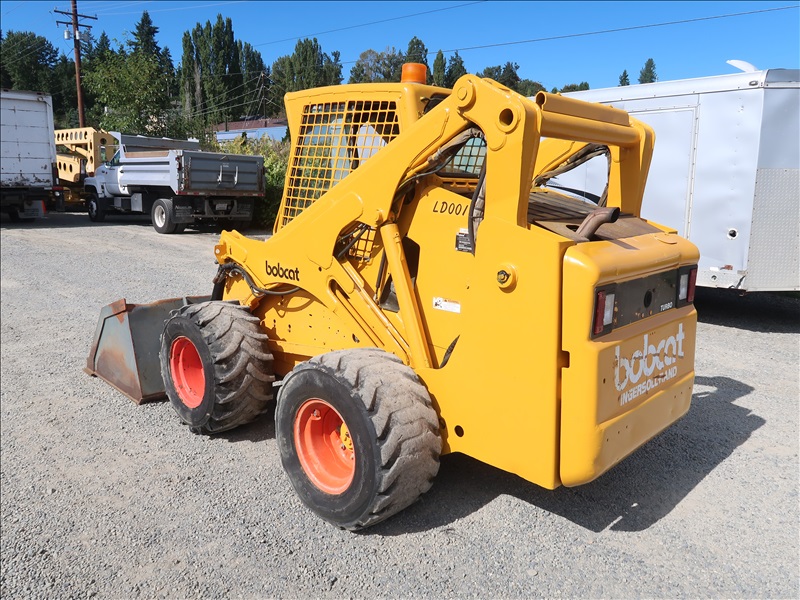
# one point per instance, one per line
(5, 78)
(332, 68)
(648, 72)
(455, 69)
(27, 61)
(624, 79)
(280, 82)
(65, 94)
(527, 87)
(373, 66)
(212, 85)
(132, 91)
(144, 36)
(491, 72)
(439, 68)
(365, 69)
(254, 76)
(307, 67)
(574, 87)
(391, 64)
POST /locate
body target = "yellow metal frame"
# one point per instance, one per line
(499, 334)
(84, 147)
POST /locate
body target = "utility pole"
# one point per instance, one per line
(76, 38)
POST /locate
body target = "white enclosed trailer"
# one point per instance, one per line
(27, 153)
(725, 171)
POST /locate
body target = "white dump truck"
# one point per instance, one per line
(171, 180)
(725, 171)
(28, 154)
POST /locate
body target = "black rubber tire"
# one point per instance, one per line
(236, 362)
(96, 207)
(161, 215)
(13, 215)
(392, 424)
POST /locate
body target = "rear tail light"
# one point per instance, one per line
(686, 285)
(603, 311)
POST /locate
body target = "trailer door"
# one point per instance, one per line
(667, 197)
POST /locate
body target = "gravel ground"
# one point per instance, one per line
(103, 498)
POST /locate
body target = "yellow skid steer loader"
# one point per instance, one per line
(430, 288)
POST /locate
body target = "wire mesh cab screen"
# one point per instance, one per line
(334, 139)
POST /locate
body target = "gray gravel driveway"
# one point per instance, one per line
(103, 498)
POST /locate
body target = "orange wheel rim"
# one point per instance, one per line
(324, 446)
(187, 372)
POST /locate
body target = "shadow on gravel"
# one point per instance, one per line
(260, 430)
(763, 312)
(632, 496)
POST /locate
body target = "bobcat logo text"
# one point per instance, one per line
(655, 362)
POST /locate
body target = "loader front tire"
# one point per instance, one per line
(358, 437)
(216, 366)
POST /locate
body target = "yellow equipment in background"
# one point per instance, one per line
(80, 152)
(428, 289)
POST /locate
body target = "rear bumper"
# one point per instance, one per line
(620, 436)
(626, 384)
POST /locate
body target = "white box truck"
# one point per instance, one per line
(27, 153)
(725, 171)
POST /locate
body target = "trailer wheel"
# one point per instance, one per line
(161, 215)
(358, 437)
(216, 366)
(96, 207)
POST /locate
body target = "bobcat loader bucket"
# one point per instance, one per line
(126, 345)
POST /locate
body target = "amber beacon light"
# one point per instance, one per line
(414, 73)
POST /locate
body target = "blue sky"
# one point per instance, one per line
(697, 46)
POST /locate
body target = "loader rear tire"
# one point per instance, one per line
(216, 366)
(358, 436)
(161, 215)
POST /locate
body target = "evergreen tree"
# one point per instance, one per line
(648, 72)
(574, 87)
(5, 78)
(391, 65)
(373, 66)
(307, 67)
(509, 76)
(365, 68)
(27, 61)
(213, 85)
(623, 79)
(439, 68)
(455, 69)
(332, 67)
(144, 37)
(528, 88)
(491, 72)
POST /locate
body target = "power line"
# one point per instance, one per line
(228, 2)
(616, 30)
(427, 12)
